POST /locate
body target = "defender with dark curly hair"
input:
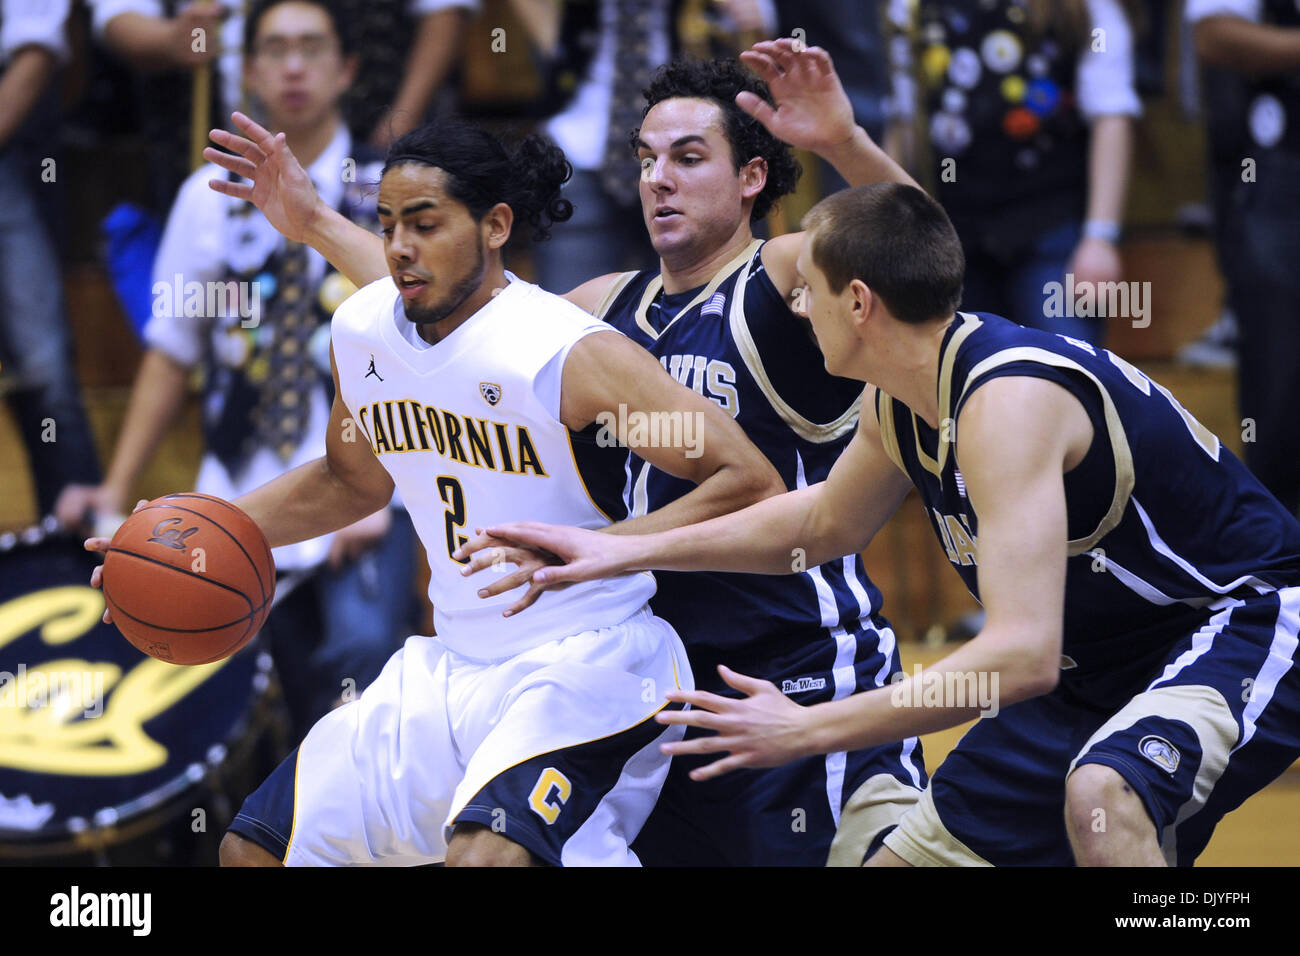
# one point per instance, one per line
(715, 149)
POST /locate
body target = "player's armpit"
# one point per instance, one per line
(1016, 438)
(862, 491)
(612, 381)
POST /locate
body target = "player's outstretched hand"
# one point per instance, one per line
(552, 555)
(812, 110)
(101, 545)
(279, 186)
(762, 729)
(525, 545)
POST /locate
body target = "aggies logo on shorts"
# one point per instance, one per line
(1160, 752)
(491, 392)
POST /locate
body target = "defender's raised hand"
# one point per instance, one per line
(279, 186)
(812, 110)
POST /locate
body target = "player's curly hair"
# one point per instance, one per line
(482, 171)
(720, 80)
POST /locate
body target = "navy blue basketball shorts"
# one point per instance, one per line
(1217, 723)
(790, 815)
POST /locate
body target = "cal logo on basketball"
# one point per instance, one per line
(406, 425)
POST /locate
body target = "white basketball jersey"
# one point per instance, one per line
(469, 429)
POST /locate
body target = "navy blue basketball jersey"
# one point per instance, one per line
(1165, 525)
(736, 342)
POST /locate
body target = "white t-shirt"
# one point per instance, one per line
(1200, 9)
(32, 22)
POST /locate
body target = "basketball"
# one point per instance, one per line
(189, 579)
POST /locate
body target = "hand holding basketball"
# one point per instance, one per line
(188, 578)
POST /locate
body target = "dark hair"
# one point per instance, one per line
(897, 240)
(720, 80)
(337, 14)
(481, 172)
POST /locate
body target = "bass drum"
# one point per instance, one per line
(107, 756)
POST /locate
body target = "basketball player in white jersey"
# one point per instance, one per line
(484, 398)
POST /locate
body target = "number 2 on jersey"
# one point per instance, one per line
(454, 498)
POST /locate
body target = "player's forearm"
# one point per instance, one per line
(354, 251)
(21, 85)
(862, 162)
(770, 537)
(728, 489)
(1251, 48)
(156, 397)
(1110, 149)
(307, 502)
(979, 679)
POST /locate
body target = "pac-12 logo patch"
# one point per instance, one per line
(491, 392)
(1160, 752)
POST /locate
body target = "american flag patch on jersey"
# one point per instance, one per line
(961, 482)
(715, 305)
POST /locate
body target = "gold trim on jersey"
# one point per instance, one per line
(888, 432)
(1204, 709)
(657, 284)
(1123, 456)
(878, 803)
(293, 827)
(946, 435)
(615, 287)
(804, 428)
(921, 839)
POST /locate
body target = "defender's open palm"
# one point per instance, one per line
(586, 555)
(812, 110)
(279, 186)
(762, 729)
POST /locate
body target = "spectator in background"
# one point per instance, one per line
(1029, 107)
(596, 57)
(1260, 236)
(857, 48)
(264, 359)
(157, 38)
(36, 366)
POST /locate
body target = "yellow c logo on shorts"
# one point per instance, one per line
(538, 799)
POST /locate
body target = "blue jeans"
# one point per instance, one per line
(35, 341)
(1012, 285)
(603, 236)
